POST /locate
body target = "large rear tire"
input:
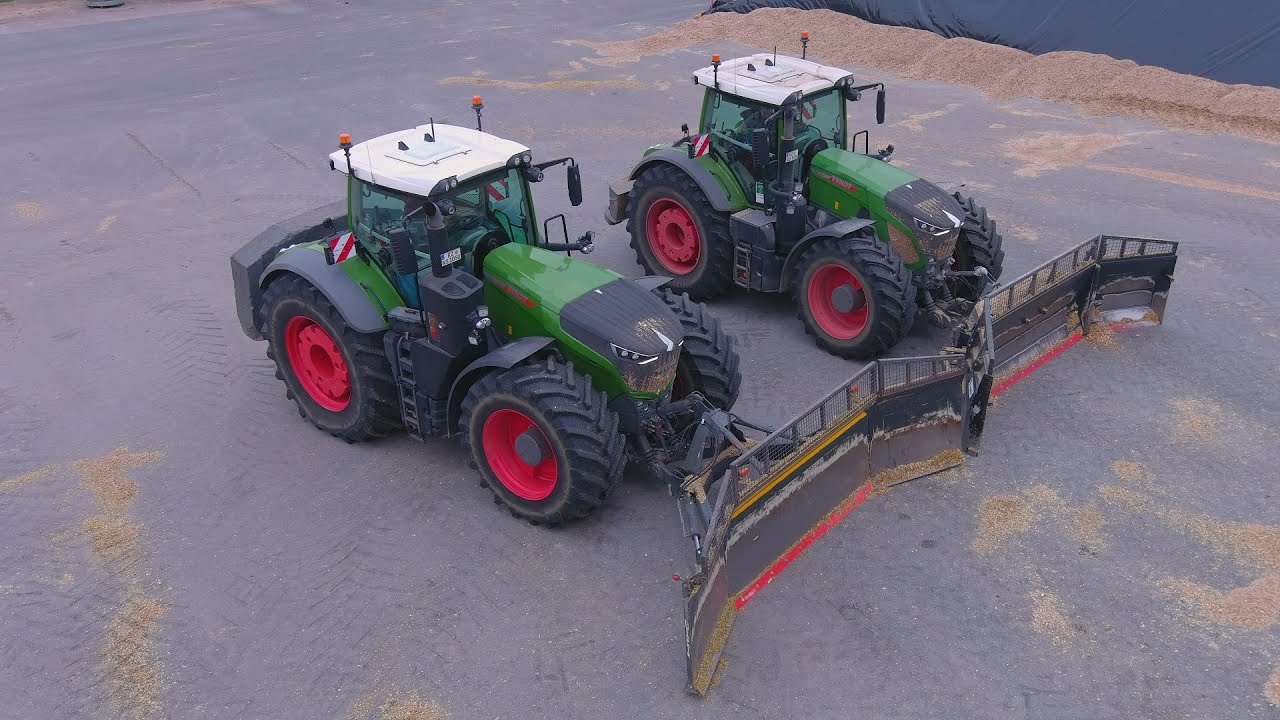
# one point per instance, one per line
(855, 296)
(709, 363)
(979, 244)
(677, 233)
(339, 378)
(544, 441)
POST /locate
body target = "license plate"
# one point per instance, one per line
(451, 257)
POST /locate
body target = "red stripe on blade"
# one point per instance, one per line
(798, 549)
(1024, 372)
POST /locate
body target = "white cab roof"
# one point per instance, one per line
(406, 161)
(771, 82)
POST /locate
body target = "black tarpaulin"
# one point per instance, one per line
(1233, 41)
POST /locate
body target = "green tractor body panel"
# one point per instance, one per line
(734, 195)
(847, 183)
(526, 288)
(372, 280)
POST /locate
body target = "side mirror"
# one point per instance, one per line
(575, 185)
(880, 107)
(760, 147)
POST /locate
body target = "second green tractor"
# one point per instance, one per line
(772, 195)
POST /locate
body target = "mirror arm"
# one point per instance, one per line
(553, 163)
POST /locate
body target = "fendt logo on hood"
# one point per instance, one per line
(838, 182)
(665, 341)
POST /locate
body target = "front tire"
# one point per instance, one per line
(709, 363)
(543, 440)
(855, 296)
(339, 378)
(676, 232)
(979, 244)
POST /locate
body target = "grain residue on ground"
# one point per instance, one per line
(1102, 335)
(28, 477)
(1191, 181)
(1272, 688)
(30, 210)
(128, 659)
(886, 479)
(1082, 523)
(1250, 545)
(1096, 84)
(112, 539)
(413, 708)
(916, 122)
(1130, 471)
(1048, 619)
(1199, 420)
(1053, 150)
(1123, 495)
(1000, 518)
(1255, 606)
(482, 79)
(105, 476)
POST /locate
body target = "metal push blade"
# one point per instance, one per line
(895, 420)
(899, 419)
(1108, 280)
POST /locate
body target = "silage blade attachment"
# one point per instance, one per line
(1110, 280)
(899, 419)
(895, 420)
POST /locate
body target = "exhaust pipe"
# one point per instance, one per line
(437, 240)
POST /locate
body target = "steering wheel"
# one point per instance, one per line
(486, 244)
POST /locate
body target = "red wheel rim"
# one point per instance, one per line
(317, 363)
(839, 325)
(673, 236)
(501, 432)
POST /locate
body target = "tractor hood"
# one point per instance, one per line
(930, 214)
(625, 324)
(631, 326)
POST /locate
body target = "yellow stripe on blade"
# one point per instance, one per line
(745, 505)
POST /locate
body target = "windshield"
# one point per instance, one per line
(821, 116)
(489, 210)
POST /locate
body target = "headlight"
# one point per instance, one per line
(931, 228)
(632, 356)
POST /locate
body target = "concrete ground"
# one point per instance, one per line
(1112, 553)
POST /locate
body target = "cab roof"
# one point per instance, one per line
(760, 77)
(407, 161)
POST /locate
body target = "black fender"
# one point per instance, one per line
(504, 358)
(652, 282)
(345, 294)
(249, 262)
(680, 158)
(834, 230)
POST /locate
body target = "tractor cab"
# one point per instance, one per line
(479, 181)
(752, 102)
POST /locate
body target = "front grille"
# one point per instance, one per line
(652, 378)
(928, 202)
(624, 314)
(939, 246)
(901, 242)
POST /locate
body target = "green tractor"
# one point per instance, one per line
(772, 195)
(430, 302)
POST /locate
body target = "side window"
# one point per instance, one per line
(736, 118)
(375, 213)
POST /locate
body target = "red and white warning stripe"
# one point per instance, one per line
(344, 247)
(701, 144)
(498, 190)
